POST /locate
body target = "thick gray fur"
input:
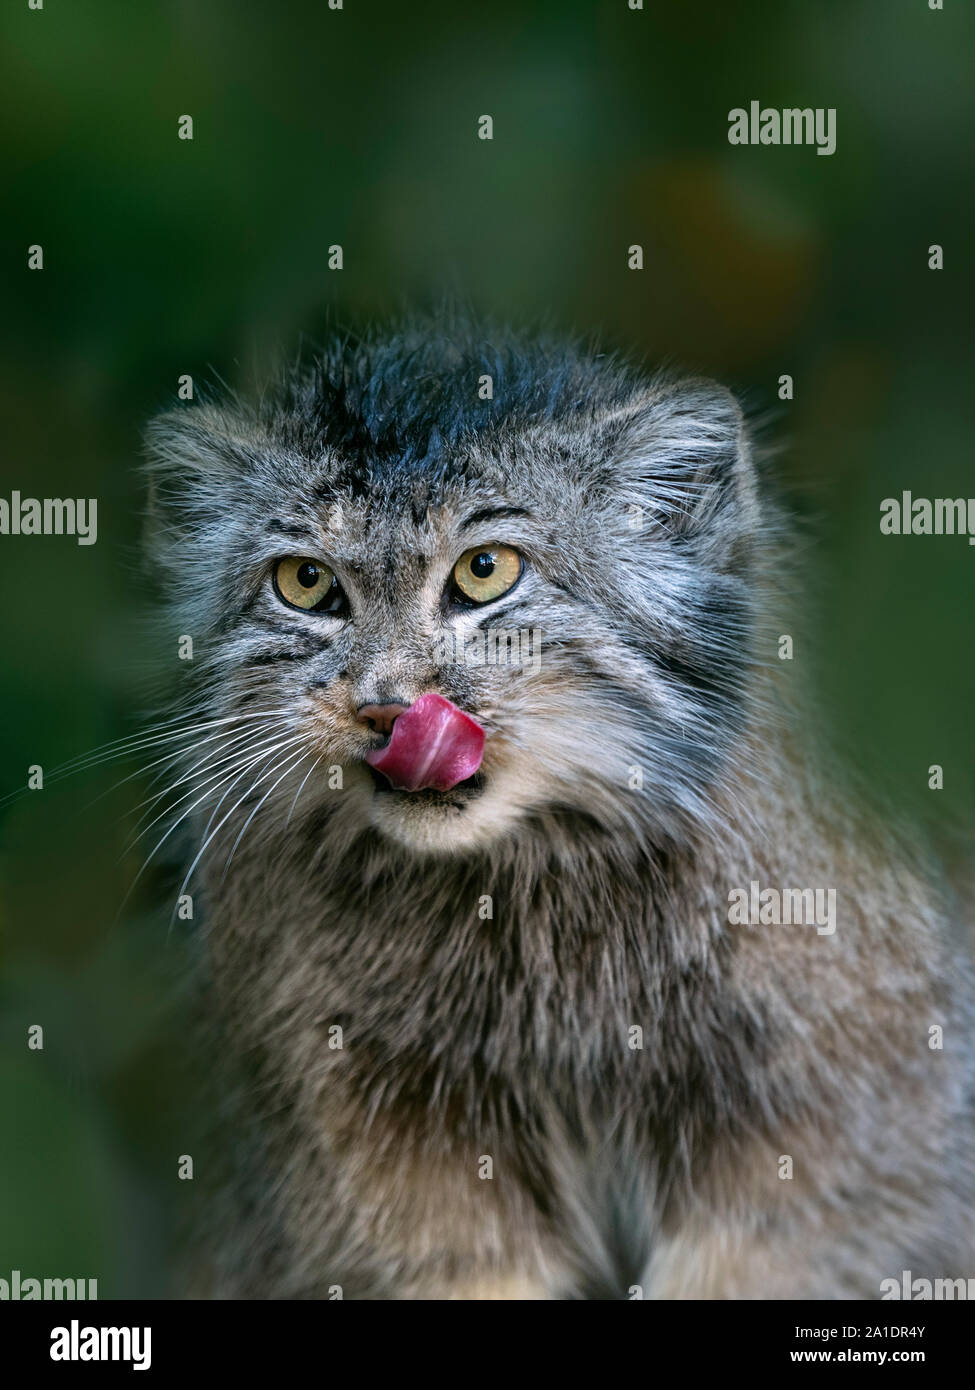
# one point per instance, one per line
(657, 760)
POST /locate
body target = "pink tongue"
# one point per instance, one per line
(433, 744)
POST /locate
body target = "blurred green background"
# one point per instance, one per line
(358, 126)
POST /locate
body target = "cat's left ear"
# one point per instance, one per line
(681, 455)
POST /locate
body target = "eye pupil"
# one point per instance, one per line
(482, 565)
(307, 575)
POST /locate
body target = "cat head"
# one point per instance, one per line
(561, 548)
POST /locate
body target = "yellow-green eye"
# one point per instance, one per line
(307, 584)
(487, 572)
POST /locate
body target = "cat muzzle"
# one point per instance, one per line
(433, 745)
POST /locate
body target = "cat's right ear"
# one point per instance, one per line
(193, 456)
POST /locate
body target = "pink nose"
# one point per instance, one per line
(380, 718)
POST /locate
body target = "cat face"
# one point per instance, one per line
(566, 560)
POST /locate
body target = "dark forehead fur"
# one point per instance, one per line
(401, 404)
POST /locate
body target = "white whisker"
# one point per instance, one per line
(170, 758)
(241, 758)
(207, 764)
(253, 813)
(220, 823)
(301, 788)
(159, 844)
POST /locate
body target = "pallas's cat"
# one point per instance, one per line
(550, 958)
